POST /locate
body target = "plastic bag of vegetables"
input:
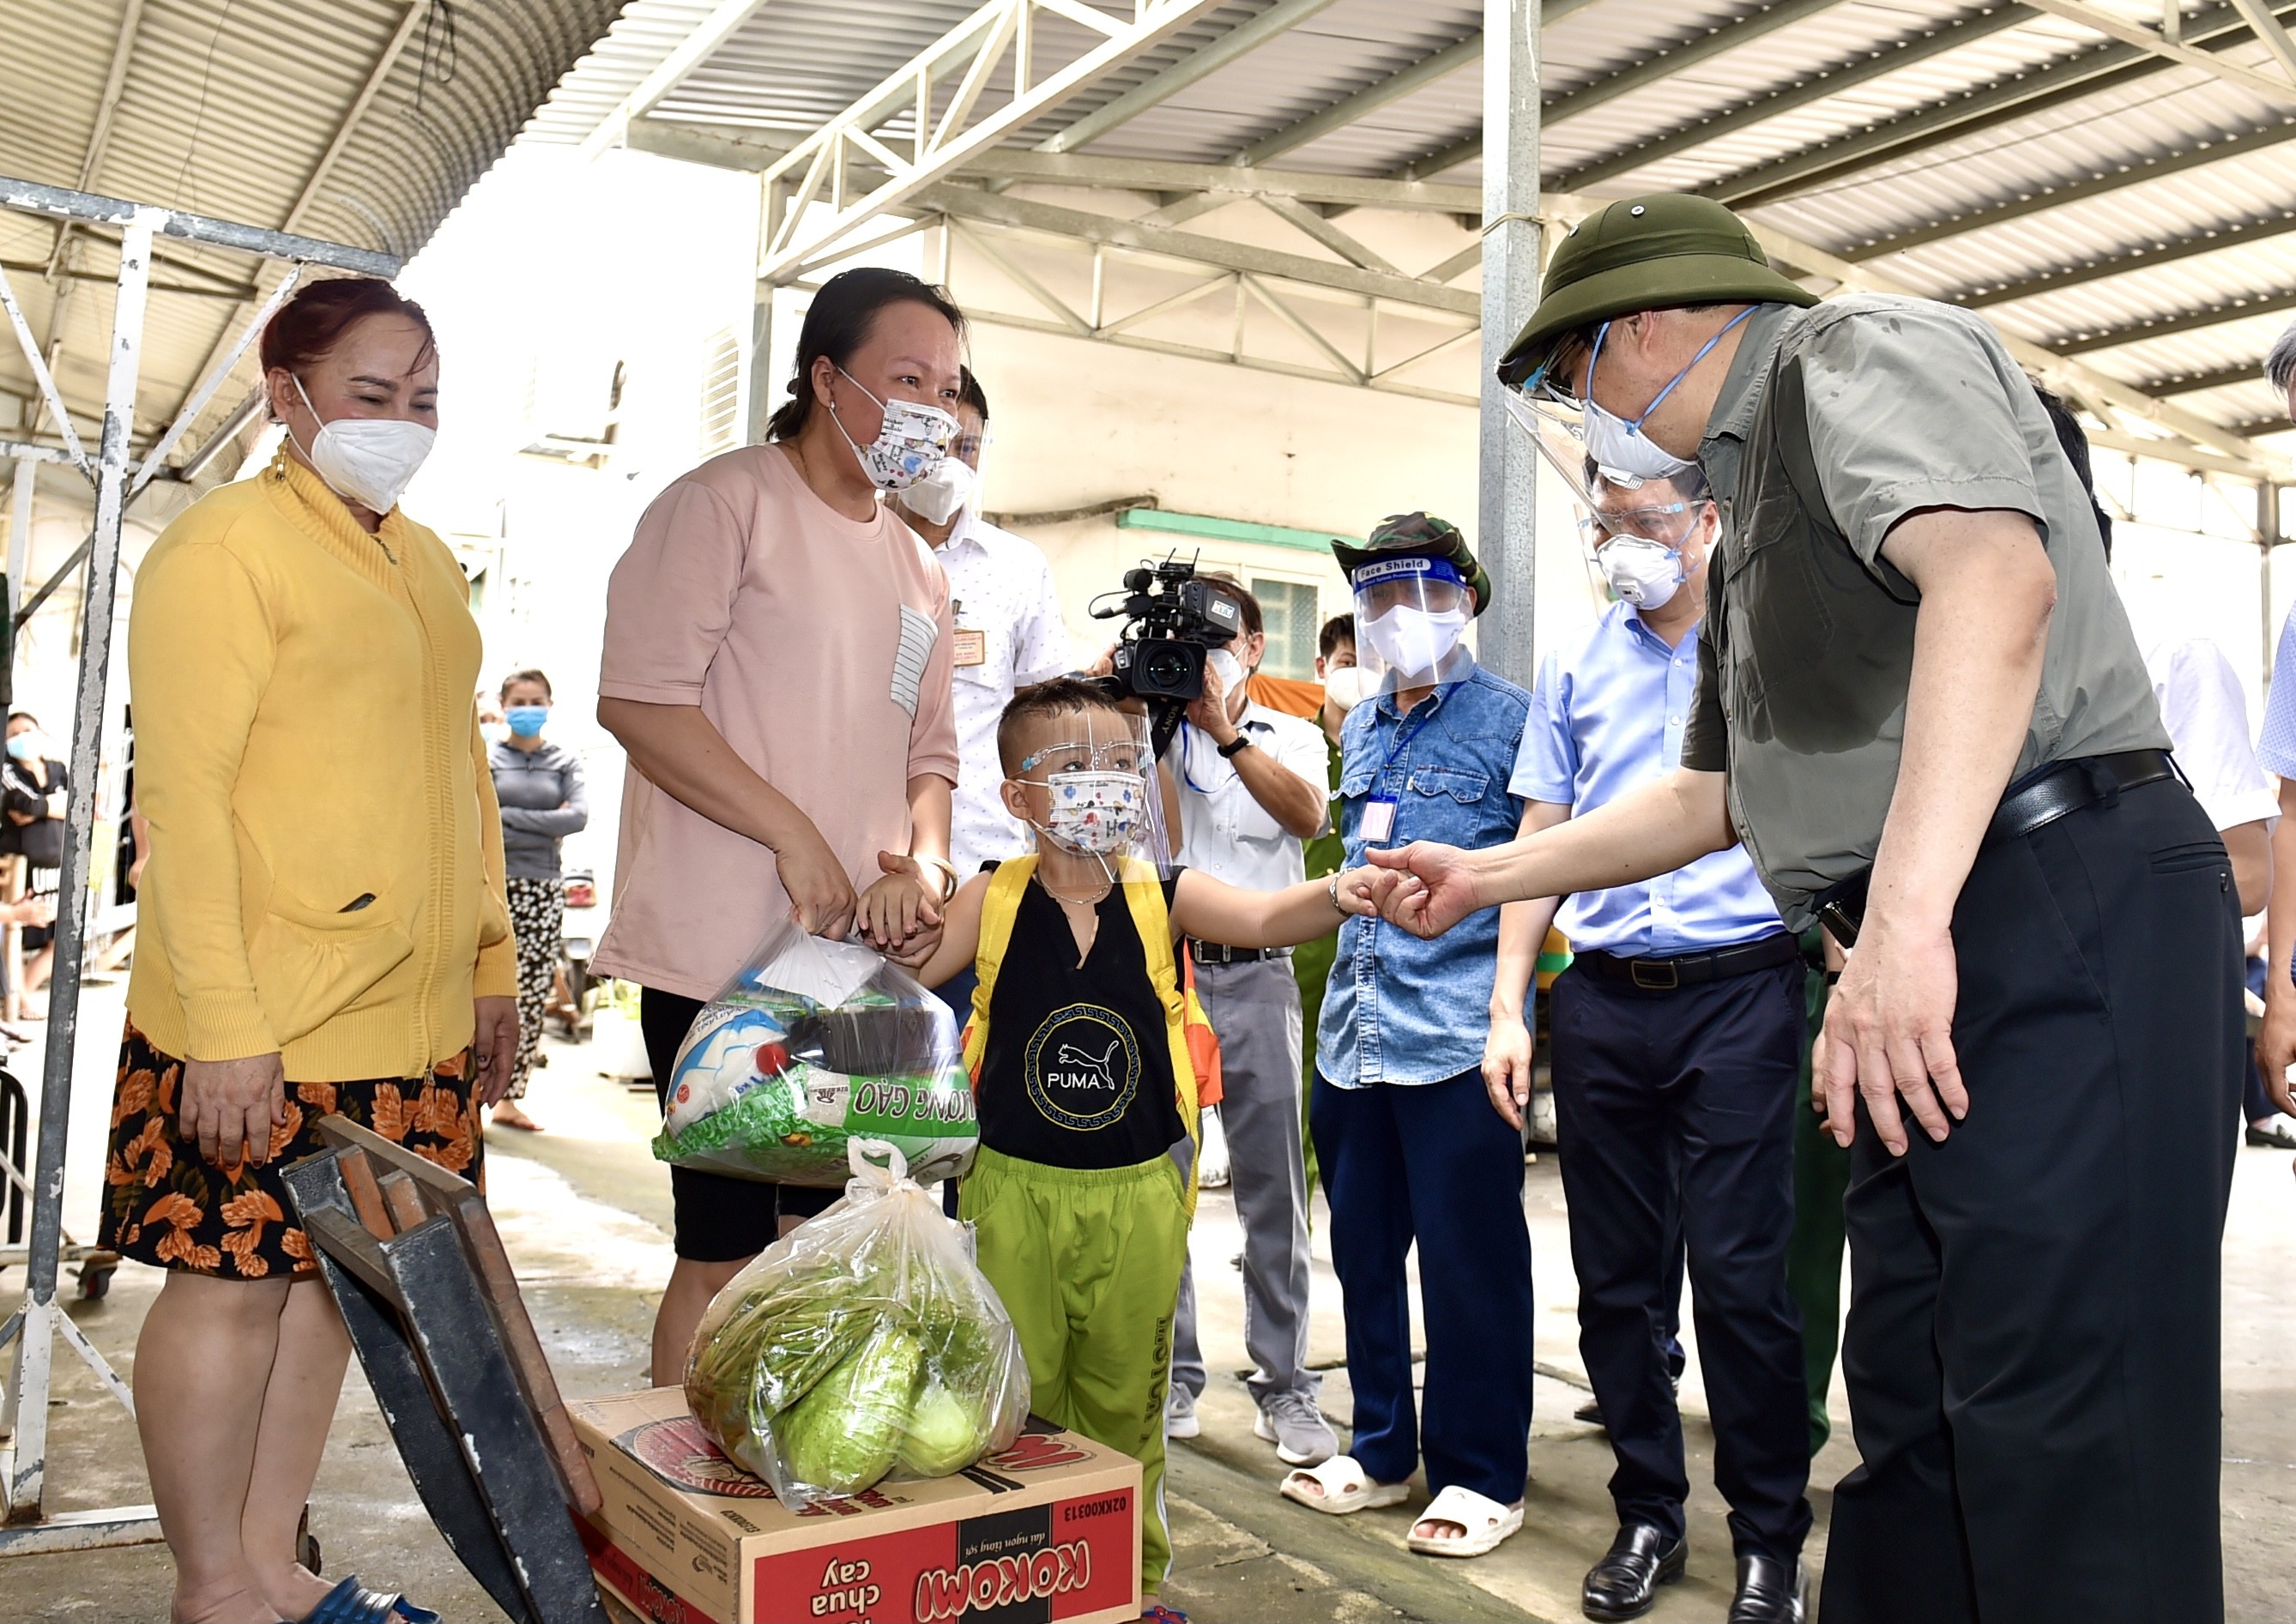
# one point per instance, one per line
(812, 1044)
(865, 1342)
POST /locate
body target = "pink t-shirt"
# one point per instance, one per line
(820, 647)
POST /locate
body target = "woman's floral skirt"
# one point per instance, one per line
(164, 1205)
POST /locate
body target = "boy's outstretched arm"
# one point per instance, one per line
(1210, 911)
(960, 933)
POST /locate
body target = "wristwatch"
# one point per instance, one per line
(1241, 742)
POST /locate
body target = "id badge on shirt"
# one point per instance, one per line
(970, 647)
(1378, 825)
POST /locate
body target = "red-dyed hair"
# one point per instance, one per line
(313, 322)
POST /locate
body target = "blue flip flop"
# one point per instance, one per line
(350, 1603)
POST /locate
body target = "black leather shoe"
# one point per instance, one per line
(1625, 1583)
(1769, 1592)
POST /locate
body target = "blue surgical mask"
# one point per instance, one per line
(24, 747)
(526, 720)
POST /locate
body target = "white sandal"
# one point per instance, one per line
(1346, 1487)
(1484, 1523)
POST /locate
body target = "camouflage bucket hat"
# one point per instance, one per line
(1646, 253)
(1419, 535)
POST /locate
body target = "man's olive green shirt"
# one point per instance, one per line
(1836, 423)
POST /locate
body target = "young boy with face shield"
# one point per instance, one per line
(1084, 1185)
(1677, 1035)
(1406, 1141)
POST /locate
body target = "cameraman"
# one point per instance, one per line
(1251, 788)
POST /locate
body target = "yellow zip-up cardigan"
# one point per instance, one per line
(326, 870)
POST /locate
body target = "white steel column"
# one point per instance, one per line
(19, 537)
(1505, 536)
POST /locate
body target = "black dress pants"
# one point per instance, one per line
(2032, 1351)
(1675, 1114)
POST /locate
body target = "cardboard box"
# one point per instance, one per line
(1049, 1530)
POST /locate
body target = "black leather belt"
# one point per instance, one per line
(1690, 969)
(1218, 953)
(2047, 793)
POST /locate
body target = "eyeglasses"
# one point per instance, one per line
(1652, 522)
(1552, 379)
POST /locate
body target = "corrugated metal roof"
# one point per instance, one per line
(230, 110)
(2014, 146)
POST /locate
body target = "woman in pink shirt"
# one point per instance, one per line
(777, 657)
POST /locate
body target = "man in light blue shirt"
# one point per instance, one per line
(1677, 1035)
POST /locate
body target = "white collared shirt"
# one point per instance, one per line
(1000, 586)
(1225, 831)
(2207, 718)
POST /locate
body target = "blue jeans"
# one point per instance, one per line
(1432, 1163)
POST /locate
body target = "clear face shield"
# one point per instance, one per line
(1092, 790)
(1410, 616)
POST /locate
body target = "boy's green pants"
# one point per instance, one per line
(1087, 1262)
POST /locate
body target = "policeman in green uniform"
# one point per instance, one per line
(1922, 709)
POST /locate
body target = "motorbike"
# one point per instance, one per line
(578, 941)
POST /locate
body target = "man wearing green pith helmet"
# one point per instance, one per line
(1922, 710)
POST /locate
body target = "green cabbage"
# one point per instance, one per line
(946, 1432)
(843, 1435)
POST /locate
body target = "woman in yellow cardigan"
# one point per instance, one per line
(323, 926)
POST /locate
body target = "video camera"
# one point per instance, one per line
(1172, 623)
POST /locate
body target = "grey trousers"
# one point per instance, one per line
(1255, 1009)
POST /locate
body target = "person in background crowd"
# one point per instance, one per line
(1921, 706)
(1409, 1148)
(1346, 684)
(491, 725)
(1251, 788)
(539, 787)
(324, 927)
(777, 662)
(1008, 636)
(2275, 752)
(35, 786)
(1677, 1034)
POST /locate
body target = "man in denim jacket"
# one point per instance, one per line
(1407, 1143)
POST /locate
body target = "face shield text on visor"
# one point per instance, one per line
(1410, 615)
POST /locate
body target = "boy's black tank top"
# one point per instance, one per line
(1078, 1072)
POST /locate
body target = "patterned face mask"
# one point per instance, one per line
(910, 443)
(1098, 812)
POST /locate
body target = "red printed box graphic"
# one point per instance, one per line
(1033, 1565)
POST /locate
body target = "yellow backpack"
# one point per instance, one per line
(1195, 1047)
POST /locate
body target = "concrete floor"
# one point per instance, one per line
(584, 1211)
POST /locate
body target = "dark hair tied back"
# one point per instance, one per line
(314, 320)
(837, 323)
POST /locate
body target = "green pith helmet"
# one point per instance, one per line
(1419, 535)
(1646, 253)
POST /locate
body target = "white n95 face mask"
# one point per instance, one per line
(367, 460)
(1231, 670)
(943, 493)
(1348, 686)
(912, 441)
(1414, 642)
(1645, 573)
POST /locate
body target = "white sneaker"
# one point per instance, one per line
(1297, 1428)
(1180, 1415)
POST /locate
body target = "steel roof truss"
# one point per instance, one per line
(2074, 192)
(2169, 327)
(1814, 88)
(2072, 79)
(998, 29)
(2269, 86)
(2128, 261)
(1236, 43)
